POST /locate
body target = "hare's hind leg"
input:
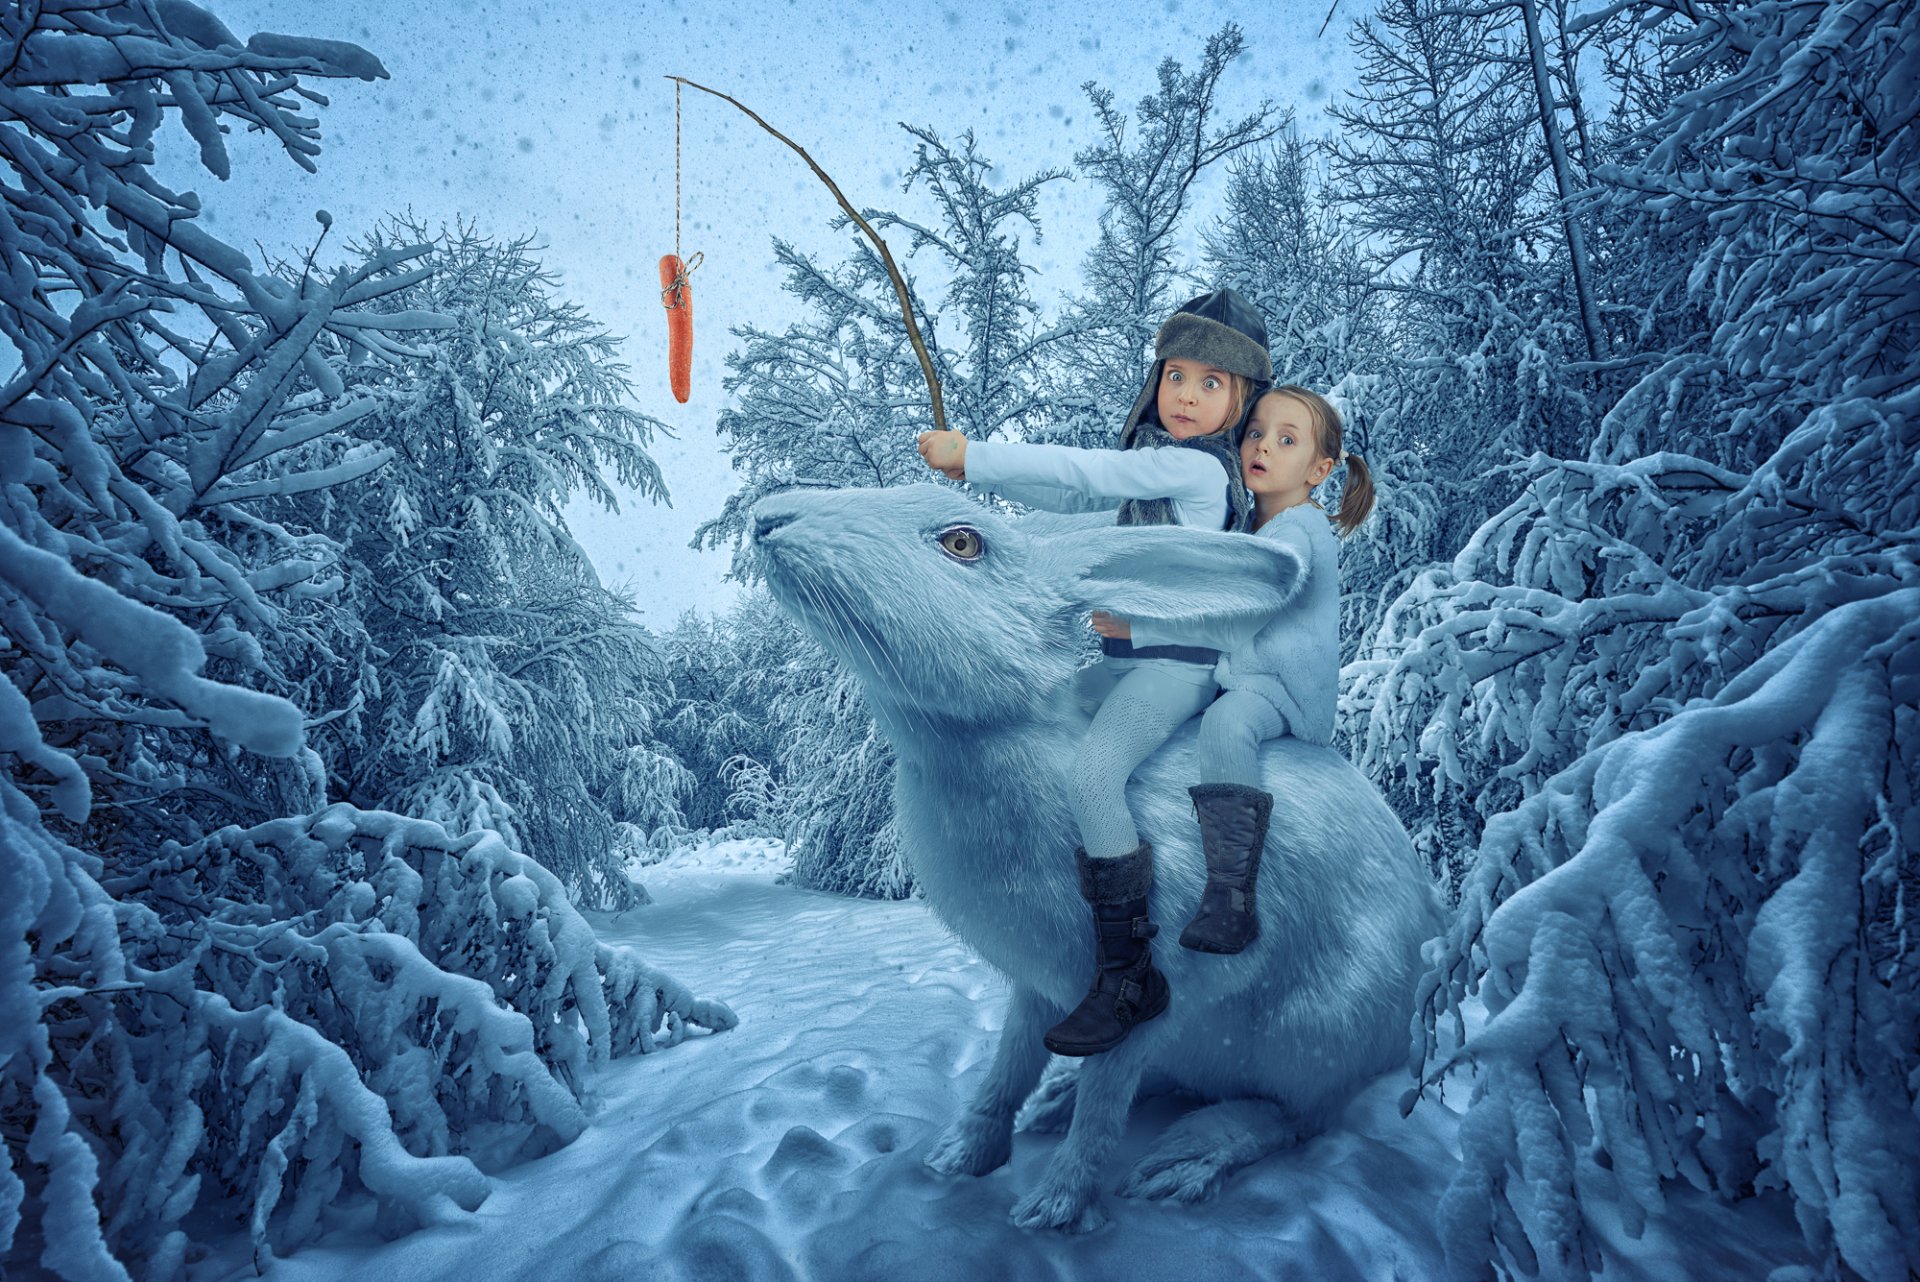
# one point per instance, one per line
(981, 1138)
(1190, 1161)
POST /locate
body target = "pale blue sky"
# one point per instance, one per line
(556, 119)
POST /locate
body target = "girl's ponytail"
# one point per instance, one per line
(1356, 496)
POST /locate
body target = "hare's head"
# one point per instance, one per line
(930, 598)
(946, 609)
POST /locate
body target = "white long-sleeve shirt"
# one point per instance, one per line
(1061, 478)
(1293, 659)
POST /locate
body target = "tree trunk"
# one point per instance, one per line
(1563, 183)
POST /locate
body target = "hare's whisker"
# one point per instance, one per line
(848, 620)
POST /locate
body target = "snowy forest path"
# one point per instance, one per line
(790, 1147)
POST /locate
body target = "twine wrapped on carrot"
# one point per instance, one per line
(677, 296)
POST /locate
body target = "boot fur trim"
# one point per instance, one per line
(1255, 795)
(1114, 881)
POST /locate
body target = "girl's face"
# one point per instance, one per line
(1194, 399)
(1280, 455)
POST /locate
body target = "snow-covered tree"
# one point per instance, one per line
(996, 367)
(269, 1022)
(828, 787)
(1676, 678)
(1146, 167)
(499, 680)
(1441, 168)
(1280, 239)
(838, 398)
(780, 743)
(714, 719)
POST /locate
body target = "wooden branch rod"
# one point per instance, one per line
(893, 272)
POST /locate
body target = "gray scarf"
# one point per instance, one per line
(1160, 511)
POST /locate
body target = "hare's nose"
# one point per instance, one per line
(766, 525)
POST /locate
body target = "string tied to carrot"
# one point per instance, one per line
(673, 291)
(676, 293)
(880, 246)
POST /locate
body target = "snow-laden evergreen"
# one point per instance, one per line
(1676, 679)
(1444, 184)
(226, 1003)
(779, 742)
(1145, 166)
(827, 791)
(497, 684)
(711, 722)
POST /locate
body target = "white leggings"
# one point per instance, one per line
(1231, 733)
(1142, 702)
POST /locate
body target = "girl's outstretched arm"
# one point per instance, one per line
(946, 453)
(1103, 478)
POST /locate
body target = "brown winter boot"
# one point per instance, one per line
(1233, 832)
(1126, 990)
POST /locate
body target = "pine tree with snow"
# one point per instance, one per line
(499, 680)
(264, 1023)
(1146, 168)
(1441, 167)
(1675, 678)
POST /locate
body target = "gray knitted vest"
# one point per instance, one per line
(1160, 511)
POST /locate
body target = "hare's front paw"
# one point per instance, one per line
(973, 1145)
(1060, 1206)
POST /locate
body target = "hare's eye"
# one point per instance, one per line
(962, 543)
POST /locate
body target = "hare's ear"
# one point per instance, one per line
(1170, 574)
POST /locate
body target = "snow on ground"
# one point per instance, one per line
(790, 1147)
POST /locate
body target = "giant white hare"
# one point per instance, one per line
(966, 630)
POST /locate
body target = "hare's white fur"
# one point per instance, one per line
(967, 664)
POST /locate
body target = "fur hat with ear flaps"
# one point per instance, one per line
(1222, 329)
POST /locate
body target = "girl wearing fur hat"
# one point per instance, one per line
(1177, 464)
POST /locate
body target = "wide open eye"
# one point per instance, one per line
(962, 543)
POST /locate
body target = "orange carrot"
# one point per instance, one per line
(678, 297)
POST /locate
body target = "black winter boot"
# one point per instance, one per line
(1233, 831)
(1126, 990)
